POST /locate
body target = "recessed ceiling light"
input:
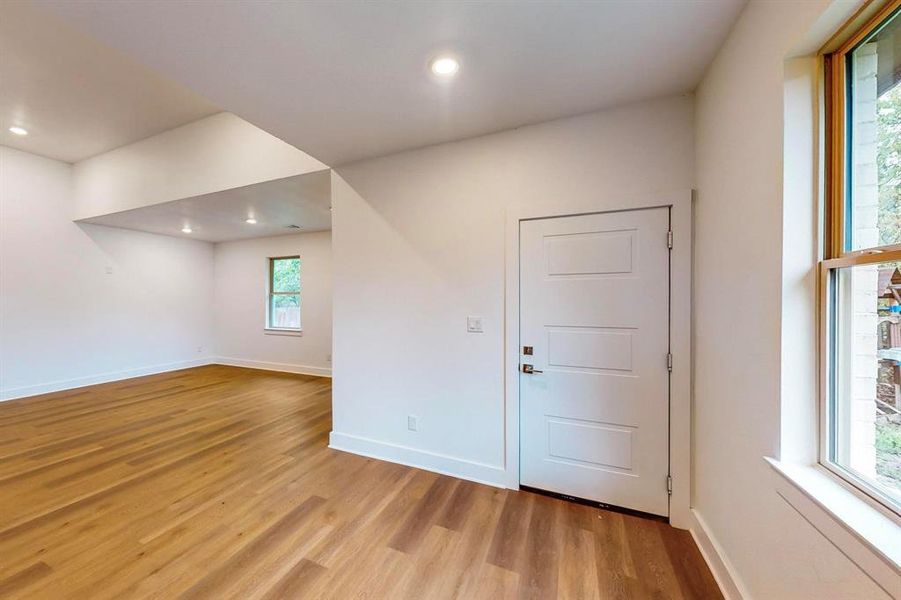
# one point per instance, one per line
(445, 66)
(251, 220)
(186, 229)
(19, 130)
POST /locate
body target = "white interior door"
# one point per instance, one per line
(594, 312)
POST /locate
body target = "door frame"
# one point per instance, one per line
(679, 203)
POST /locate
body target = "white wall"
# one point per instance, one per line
(64, 321)
(210, 155)
(241, 271)
(419, 244)
(739, 326)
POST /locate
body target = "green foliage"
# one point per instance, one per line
(889, 165)
(888, 453)
(888, 438)
(286, 275)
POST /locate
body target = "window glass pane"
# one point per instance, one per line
(284, 311)
(874, 74)
(865, 406)
(286, 274)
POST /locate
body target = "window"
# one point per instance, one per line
(283, 303)
(861, 273)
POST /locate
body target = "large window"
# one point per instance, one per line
(861, 273)
(283, 305)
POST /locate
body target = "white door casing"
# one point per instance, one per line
(594, 307)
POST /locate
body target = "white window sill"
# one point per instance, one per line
(290, 332)
(869, 536)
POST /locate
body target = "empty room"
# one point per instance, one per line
(457, 299)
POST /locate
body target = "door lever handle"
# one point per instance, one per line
(529, 369)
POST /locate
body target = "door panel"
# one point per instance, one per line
(590, 348)
(594, 443)
(590, 253)
(594, 293)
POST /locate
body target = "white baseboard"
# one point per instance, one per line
(723, 572)
(77, 382)
(273, 366)
(421, 459)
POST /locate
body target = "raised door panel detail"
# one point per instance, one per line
(591, 253)
(591, 348)
(598, 444)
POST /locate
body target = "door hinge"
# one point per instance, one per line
(669, 239)
(669, 485)
(669, 361)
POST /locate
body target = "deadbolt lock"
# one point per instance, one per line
(527, 350)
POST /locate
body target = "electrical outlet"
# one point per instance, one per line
(199, 349)
(328, 358)
(109, 270)
(412, 423)
(474, 325)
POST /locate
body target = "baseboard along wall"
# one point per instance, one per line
(61, 385)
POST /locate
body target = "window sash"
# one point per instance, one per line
(837, 129)
(827, 373)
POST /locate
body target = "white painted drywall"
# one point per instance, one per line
(800, 243)
(241, 271)
(743, 204)
(347, 80)
(65, 321)
(216, 153)
(419, 245)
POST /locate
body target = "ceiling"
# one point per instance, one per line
(348, 80)
(302, 200)
(76, 97)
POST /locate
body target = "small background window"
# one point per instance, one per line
(283, 308)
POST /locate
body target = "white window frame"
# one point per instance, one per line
(270, 274)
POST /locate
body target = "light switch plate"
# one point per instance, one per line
(474, 325)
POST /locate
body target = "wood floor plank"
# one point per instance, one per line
(217, 482)
(509, 542)
(695, 579)
(297, 581)
(243, 561)
(414, 528)
(578, 575)
(21, 580)
(616, 572)
(654, 570)
(458, 506)
(539, 575)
